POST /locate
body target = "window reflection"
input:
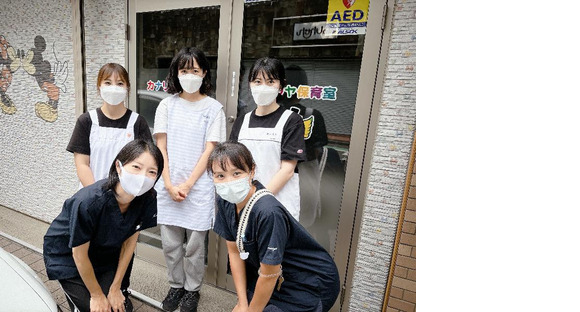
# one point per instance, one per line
(292, 32)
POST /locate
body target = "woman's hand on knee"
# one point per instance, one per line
(100, 304)
(117, 300)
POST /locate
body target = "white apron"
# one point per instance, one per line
(187, 127)
(266, 147)
(105, 144)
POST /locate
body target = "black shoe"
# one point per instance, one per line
(190, 301)
(128, 303)
(171, 301)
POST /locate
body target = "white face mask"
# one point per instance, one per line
(234, 191)
(264, 95)
(135, 184)
(113, 95)
(190, 82)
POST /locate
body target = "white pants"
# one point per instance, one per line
(185, 266)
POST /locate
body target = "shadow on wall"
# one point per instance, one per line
(50, 79)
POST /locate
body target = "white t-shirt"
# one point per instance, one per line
(217, 129)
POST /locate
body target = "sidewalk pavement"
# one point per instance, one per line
(23, 235)
(34, 260)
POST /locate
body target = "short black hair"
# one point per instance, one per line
(236, 153)
(130, 152)
(271, 67)
(184, 59)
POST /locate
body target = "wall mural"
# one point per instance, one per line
(50, 79)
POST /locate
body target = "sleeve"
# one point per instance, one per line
(149, 212)
(160, 122)
(236, 128)
(319, 137)
(82, 223)
(273, 227)
(293, 146)
(220, 226)
(142, 129)
(217, 130)
(79, 141)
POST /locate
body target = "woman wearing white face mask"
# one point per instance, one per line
(187, 127)
(276, 265)
(274, 135)
(89, 246)
(100, 133)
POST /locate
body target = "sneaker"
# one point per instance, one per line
(171, 301)
(190, 301)
(128, 303)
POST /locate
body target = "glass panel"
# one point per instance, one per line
(328, 67)
(160, 35)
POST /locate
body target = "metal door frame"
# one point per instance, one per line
(363, 130)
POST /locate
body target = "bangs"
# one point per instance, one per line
(234, 160)
(112, 68)
(268, 71)
(186, 62)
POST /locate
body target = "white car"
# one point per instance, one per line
(20, 288)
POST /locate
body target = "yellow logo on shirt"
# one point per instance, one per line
(308, 125)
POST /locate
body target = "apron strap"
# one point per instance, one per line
(282, 121)
(132, 120)
(94, 117)
(246, 122)
(244, 220)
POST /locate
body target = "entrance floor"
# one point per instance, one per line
(22, 236)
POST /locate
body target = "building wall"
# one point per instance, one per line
(402, 296)
(104, 41)
(37, 113)
(389, 164)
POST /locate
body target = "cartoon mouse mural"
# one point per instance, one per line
(49, 79)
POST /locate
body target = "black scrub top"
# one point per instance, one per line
(274, 237)
(93, 215)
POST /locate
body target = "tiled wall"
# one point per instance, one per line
(104, 41)
(37, 113)
(38, 174)
(389, 164)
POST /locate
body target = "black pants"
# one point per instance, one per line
(76, 290)
(272, 308)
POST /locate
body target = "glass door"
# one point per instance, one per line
(330, 55)
(329, 49)
(322, 72)
(158, 30)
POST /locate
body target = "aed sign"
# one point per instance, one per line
(347, 17)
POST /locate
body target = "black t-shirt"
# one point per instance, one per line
(274, 237)
(292, 144)
(79, 141)
(93, 215)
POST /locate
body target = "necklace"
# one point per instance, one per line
(244, 221)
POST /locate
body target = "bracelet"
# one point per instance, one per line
(270, 275)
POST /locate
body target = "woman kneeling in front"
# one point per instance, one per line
(87, 248)
(276, 265)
